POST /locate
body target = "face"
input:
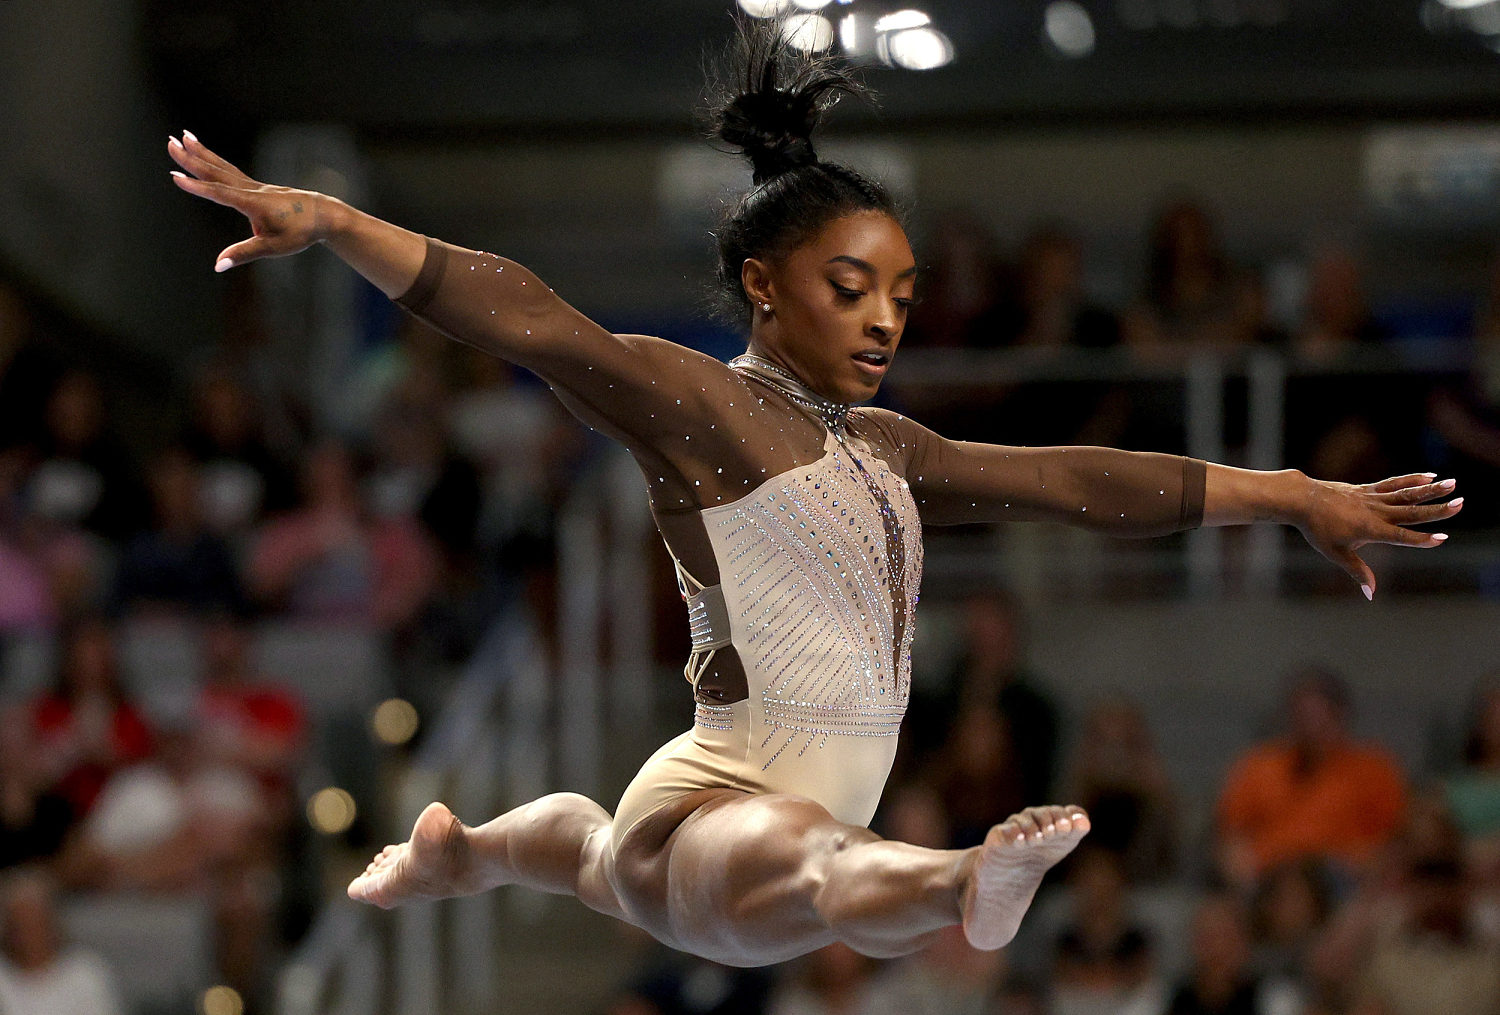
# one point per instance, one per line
(838, 305)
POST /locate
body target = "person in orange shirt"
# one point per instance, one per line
(1314, 793)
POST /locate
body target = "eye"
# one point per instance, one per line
(845, 292)
(906, 302)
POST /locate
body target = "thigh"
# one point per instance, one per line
(733, 876)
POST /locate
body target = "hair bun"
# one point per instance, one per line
(776, 97)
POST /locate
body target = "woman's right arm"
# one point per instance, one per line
(637, 389)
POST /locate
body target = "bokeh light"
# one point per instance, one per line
(919, 49)
(811, 33)
(901, 20)
(331, 810)
(221, 1000)
(394, 721)
(1069, 28)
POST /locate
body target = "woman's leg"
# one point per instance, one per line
(751, 880)
(742, 879)
(557, 844)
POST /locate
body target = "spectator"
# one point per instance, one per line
(1432, 960)
(836, 980)
(241, 477)
(963, 288)
(244, 721)
(1290, 908)
(991, 675)
(1103, 961)
(1337, 315)
(39, 975)
(1464, 416)
(977, 776)
(329, 560)
(1473, 793)
(1053, 310)
(85, 728)
(1222, 981)
(1189, 299)
(46, 570)
(84, 478)
(1118, 776)
(178, 566)
(1314, 793)
(33, 818)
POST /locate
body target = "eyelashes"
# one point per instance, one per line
(850, 295)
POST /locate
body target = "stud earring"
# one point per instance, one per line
(766, 307)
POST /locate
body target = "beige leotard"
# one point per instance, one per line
(795, 523)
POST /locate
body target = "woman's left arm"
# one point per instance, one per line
(1130, 493)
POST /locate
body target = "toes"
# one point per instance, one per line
(1028, 825)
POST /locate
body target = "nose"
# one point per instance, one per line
(883, 325)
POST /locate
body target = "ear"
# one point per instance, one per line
(755, 276)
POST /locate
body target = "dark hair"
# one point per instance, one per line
(765, 102)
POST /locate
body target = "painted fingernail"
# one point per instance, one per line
(1369, 592)
(174, 142)
(1020, 840)
(1430, 475)
(177, 174)
(1448, 484)
(224, 264)
(189, 135)
(1440, 536)
(1456, 502)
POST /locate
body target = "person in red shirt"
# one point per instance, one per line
(1314, 793)
(86, 728)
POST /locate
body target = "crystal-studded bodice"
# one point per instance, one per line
(819, 569)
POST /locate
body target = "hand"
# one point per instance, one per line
(1340, 518)
(284, 221)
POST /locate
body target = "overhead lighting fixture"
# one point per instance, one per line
(901, 20)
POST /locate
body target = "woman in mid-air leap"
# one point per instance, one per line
(795, 520)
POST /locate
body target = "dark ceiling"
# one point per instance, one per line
(410, 67)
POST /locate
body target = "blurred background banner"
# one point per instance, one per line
(278, 565)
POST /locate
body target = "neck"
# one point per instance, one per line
(783, 378)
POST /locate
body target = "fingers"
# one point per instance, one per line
(1356, 568)
(191, 154)
(1423, 513)
(218, 193)
(1410, 537)
(1418, 493)
(242, 252)
(1403, 482)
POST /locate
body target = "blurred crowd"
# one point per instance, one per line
(1328, 878)
(423, 501)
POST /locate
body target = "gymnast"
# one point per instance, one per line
(794, 520)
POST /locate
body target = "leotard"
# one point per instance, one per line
(795, 526)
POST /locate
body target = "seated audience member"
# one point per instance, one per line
(1117, 775)
(1053, 308)
(835, 980)
(178, 566)
(1103, 961)
(1290, 909)
(1222, 980)
(241, 478)
(85, 728)
(976, 776)
(1315, 792)
(1189, 299)
(991, 675)
(39, 973)
(33, 819)
(1431, 959)
(83, 478)
(329, 560)
(46, 569)
(1473, 792)
(963, 298)
(245, 721)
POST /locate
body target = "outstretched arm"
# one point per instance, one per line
(618, 383)
(1129, 493)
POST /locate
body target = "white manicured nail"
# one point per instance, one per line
(224, 264)
(1369, 592)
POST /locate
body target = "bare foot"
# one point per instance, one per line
(1010, 866)
(432, 864)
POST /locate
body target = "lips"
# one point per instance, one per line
(873, 361)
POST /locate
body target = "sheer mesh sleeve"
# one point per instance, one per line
(700, 434)
(1124, 493)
